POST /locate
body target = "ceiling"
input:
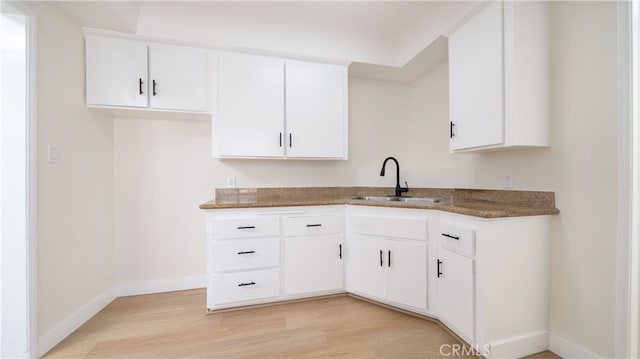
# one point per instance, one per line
(391, 40)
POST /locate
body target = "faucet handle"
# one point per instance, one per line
(405, 189)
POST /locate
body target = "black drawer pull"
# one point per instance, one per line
(247, 227)
(314, 225)
(246, 252)
(246, 284)
(340, 254)
(381, 258)
(140, 83)
(450, 236)
(389, 260)
(439, 268)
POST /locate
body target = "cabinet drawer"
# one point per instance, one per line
(241, 254)
(456, 237)
(305, 225)
(410, 228)
(244, 227)
(244, 286)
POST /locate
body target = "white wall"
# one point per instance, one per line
(580, 166)
(164, 170)
(75, 196)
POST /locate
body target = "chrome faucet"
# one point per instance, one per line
(399, 190)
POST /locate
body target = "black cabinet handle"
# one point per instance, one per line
(246, 252)
(247, 227)
(280, 139)
(290, 140)
(381, 259)
(389, 259)
(340, 253)
(154, 88)
(246, 284)
(450, 236)
(314, 225)
(140, 83)
(439, 268)
(451, 124)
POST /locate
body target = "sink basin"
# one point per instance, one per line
(397, 199)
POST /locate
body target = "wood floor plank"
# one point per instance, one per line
(175, 325)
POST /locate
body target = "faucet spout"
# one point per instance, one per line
(399, 189)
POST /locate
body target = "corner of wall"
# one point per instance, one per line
(67, 326)
(567, 349)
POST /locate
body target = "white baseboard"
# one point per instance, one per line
(162, 285)
(567, 349)
(54, 336)
(522, 345)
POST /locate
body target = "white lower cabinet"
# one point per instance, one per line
(365, 266)
(388, 270)
(486, 279)
(407, 273)
(387, 256)
(492, 279)
(456, 292)
(268, 254)
(243, 258)
(313, 264)
(313, 253)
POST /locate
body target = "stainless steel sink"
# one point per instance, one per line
(429, 200)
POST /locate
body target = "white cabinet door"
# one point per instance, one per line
(407, 273)
(116, 72)
(476, 85)
(249, 121)
(313, 264)
(316, 109)
(178, 77)
(456, 292)
(365, 266)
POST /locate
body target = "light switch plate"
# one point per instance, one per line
(53, 155)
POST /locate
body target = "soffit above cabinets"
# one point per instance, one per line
(389, 40)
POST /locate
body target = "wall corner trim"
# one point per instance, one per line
(567, 349)
(54, 336)
(162, 285)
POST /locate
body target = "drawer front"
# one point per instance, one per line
(409, 228)
(307, 225)
(244, 286)
(457, 237)
(242, 254)
(243, 227)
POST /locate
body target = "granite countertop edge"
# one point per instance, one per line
(470, 207)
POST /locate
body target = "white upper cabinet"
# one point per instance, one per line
(499, 78)
(128, 73)
(476, 82)
(178, 77)
(249, 120)
(116, 72)
(279, 108)
(316, 109)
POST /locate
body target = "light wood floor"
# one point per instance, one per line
(174, 325)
